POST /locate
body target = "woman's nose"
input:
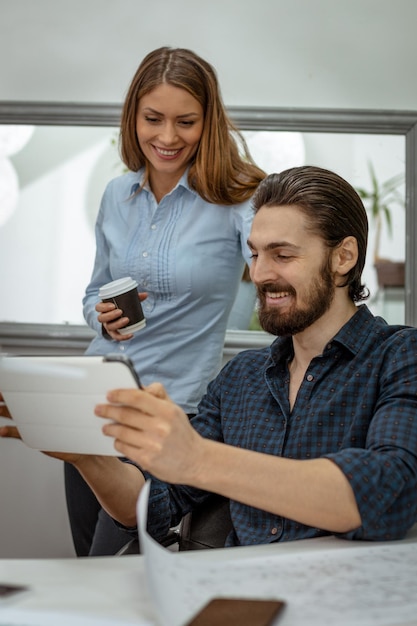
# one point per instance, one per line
(168, 133)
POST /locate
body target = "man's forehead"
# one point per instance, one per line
(279, 223)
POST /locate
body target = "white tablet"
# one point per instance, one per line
(52, 399)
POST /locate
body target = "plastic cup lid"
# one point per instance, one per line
(116, 287)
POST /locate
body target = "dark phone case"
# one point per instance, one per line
(237, 611)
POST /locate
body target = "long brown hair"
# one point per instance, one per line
(219, 172)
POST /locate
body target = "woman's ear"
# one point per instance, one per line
(345, 256)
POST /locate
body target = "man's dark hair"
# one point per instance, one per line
(332, 206)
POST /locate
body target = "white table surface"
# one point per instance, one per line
(115, 588)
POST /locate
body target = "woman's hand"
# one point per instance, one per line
(112, 318)
(7, 431)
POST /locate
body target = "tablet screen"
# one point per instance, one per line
(52, 399)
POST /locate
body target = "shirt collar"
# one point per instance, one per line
(140, 174)
(352, 335)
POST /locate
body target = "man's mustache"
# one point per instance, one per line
(274, 288)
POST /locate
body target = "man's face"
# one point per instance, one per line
(291, 270)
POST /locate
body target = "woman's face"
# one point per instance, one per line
(169, 125)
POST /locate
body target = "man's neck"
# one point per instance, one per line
(312, 341)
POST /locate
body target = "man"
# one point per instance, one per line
(313, 435)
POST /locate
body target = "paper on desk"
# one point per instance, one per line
(160, 571)
(179, 588)
(352, 583)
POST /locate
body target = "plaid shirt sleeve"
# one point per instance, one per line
(383, 473)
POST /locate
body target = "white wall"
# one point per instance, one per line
(318, 53)
(292, 53)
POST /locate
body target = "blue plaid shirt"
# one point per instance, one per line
(357, 406)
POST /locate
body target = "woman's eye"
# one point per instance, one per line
(151, 119)
(186, 123)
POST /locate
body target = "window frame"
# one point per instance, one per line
(69, 337)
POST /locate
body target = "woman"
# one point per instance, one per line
(177, 223)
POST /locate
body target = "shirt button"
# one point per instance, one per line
(310, 377)
(274, 531)
(144, 254)
(153, 227)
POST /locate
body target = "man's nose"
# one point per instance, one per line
(262, 270)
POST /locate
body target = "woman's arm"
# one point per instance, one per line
(116, 485)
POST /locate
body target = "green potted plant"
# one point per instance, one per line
(378, 201)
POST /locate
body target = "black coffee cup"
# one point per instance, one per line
(124, 295)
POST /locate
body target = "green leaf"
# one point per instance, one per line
(380, 198)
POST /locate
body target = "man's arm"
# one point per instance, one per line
(313, 492)
(155, 433)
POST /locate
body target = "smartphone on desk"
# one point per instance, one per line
(238, 612)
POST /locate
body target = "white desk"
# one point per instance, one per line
(101, 587)
(115, 588)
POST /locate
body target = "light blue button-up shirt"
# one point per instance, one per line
(188, 255)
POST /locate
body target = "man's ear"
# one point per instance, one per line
(345, 256)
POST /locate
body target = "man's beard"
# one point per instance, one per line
(293, 320)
